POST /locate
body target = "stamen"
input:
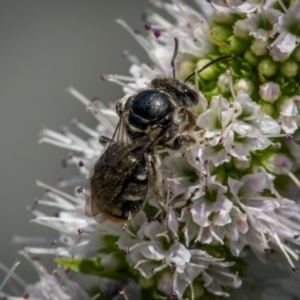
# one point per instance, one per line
(65, 146)
(235, 279)
(139, 38)
(175, 286)
(181, 10)
(71, 181)
(34, 262)
(282, 6)
(25, 240)
(101, 117)
(199, 236)
(291, 252)
(273, 136)
(284, 252)
(52, 222)
(263, 198)
(115, 79)
(138, 245)
(56, 136)
(140, 262)
(129, 215)
(124, 78)
(132, 58)
(164, 234)
(288, 222)
(277, 145)
(100, 294)
(77, 140)
(217, 238)
(10, 274)
(66, 207)
(157, 33)
(56, 198)
(131, 233)
(291, 175)
(78, 96)
(158, 269)
(61, 273)
(132, 223)
(122, 292)
(58, 192)
(176, 180)
(192, 290)
(227, 274)
(229, 73)
(161, 23)
(263, 237)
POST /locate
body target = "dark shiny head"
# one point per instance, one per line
(178, 91)
(150, 107)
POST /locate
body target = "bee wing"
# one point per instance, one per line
(91, 209)
(107, 178)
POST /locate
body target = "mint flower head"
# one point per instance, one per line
(231, 222)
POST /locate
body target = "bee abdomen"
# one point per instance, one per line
(132, 196)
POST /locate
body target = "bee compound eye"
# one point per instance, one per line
(191, 96)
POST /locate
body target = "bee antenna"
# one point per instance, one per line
(174, 57)
(223, 57)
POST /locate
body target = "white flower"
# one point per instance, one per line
(261, 25)
(270, 91)
(289, 114)
(209, 207)
(235, 5)
(213, 271)
(288, 29)
(267, 216)
(50, 287)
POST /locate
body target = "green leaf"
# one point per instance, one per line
(93, 266)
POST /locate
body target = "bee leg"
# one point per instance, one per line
(120, 105)
(103, 139)
(182, 140)
(156, 180)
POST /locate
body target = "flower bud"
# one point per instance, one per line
(220, 33)
(186, 68)
(296, 54)
(265, 107)
(243, 86)
(241, 31)
(241, 164)
(279, 163)
(251, 58)
(258, 47)
(267, 67)
(224, 18)
(277, 55)
(280, 102)
(236, 45)
(209, 73)
(224, 83)
(289, 68)
(270, 91)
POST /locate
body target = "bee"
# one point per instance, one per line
(159, 115)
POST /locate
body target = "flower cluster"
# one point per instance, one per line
(233, 197)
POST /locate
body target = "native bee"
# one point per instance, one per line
(158, 115)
